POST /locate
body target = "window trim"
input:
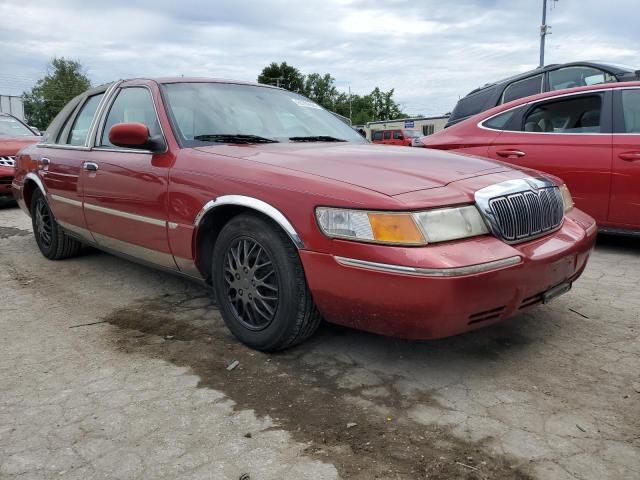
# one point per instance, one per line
(606, 106)
(103, 120)
(502, 102)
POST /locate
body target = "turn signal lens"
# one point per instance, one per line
(375, 227)
(397, 228)
(567, 199)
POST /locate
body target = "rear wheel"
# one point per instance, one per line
(52, 241)
(260, 285)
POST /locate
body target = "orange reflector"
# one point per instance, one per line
(395, 228)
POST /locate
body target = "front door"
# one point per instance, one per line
(568, 137)
(625, 183)
(125, 190)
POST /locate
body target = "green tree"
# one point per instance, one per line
(282, 75)
(63, 81)
(321, 89)
(384, 106)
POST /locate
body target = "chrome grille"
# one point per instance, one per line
(7, 161)
(528, 214)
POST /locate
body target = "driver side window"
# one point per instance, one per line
(132, 105)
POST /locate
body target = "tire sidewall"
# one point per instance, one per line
(289, 286)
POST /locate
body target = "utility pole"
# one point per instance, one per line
(544, 30)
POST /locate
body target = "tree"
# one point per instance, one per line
(384, 107)
(378, 105)
(321, 89)
(63, 81)
(282, 75)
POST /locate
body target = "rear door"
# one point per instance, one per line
(625, 183)
(570, 137)
(61, 160)
(125, 190)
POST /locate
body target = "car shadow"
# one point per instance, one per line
(618, 243)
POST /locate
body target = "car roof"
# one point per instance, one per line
(589, 63)
(555, 93)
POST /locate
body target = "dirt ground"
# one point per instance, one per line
(110, 370)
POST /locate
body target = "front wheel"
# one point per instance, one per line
(52, 241)
(260, 285)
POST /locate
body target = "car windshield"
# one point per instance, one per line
(412, 133)
(10, 127)
(205, 113)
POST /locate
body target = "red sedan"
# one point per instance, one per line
(588, 136)
(13, 136)
(291, 216)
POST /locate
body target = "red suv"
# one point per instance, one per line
(588, 136)
(290, 216)
(407, 138)
(13, 136)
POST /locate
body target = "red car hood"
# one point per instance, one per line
(385, 169)
(11, 145)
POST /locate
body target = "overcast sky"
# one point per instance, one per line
(430, 51)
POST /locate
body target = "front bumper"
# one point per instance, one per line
(434, 301)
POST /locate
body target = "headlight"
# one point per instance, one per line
(566, 198)
(418, 228)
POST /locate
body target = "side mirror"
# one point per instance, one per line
(134, 135)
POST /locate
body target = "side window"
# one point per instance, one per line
(133, 104)
(578, 77)
(631, 110)
(499, 121)
(522, 88)
(377, 135)
(78, 134)
(397, 135)
(387, 135)
(574, 115)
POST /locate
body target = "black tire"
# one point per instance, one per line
(292, 317)
(52, 241)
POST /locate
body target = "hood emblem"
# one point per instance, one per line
(532, 184)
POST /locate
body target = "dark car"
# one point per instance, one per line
(13, 136)
(545, 79)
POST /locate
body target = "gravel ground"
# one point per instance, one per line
(110, 370)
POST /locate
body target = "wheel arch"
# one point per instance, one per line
(217, 212)
(31, 183)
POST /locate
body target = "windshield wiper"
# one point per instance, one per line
(317, 138)
(233, 138)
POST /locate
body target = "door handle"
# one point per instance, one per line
(630, 156)
(90, 166)
(510, 153)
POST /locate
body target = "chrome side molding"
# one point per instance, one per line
(430, 272)
(254, 204)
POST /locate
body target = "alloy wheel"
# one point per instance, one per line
(44, 224)
(252, 283)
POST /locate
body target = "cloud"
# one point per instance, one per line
(431, 52)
